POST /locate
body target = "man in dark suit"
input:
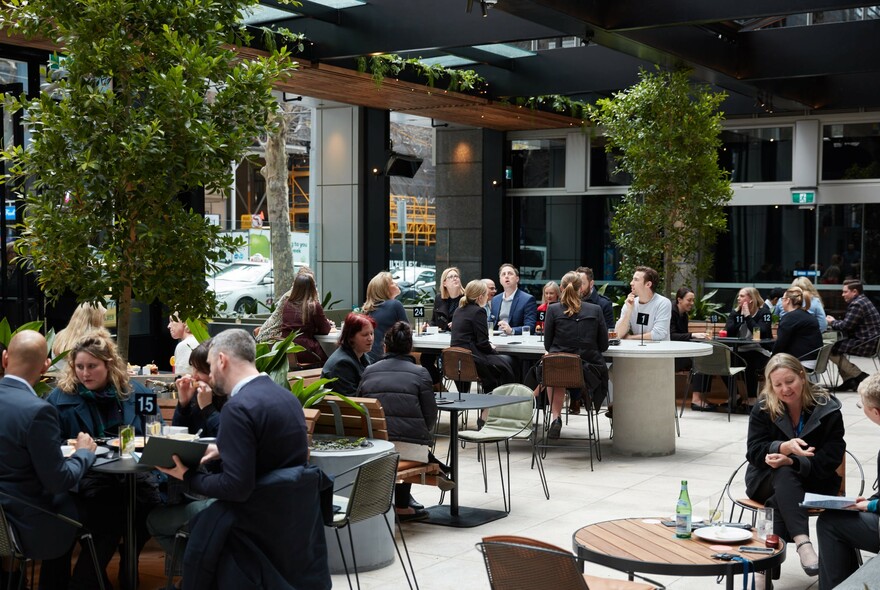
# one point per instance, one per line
(513, 308)
(32, 467)
(262, 430)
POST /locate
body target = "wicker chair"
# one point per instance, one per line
(520, 563)
(565, 371)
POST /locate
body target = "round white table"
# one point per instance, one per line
(372, 544)
(644, 394)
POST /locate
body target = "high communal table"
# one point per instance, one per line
(644, 384)
(639, 545)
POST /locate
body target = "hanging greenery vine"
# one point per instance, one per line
(555, 102)
(390, 66)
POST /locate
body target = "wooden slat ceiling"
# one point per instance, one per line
(327, 82)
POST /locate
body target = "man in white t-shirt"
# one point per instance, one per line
(643, 300)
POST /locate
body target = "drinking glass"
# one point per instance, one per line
(526, 331)
(126, 441)
(716, 512)
(612, 334)
(154, 425)
(764, 522)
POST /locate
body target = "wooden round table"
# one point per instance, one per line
(645, 545)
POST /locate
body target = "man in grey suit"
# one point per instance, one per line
(31, 464)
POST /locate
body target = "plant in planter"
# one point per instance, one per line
(6, 333)
(272, 359)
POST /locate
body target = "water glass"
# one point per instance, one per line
(764, 523)
(526, 331)
(716, 512)
(154, 425)
(126, 441)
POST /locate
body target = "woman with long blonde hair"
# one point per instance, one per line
(816, 308)
(749, 314)
(444, 308)
(385, 310)
(795, 445)
(86, 318)
(577, 327)
(550, 294)
(798, 332)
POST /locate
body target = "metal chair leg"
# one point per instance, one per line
(405, 549)
(90, 543)
(342, 555)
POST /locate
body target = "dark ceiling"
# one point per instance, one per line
(749, 48)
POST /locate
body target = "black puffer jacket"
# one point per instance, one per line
(405, 391)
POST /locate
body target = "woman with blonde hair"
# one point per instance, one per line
(798, 332)
(470, 330)
(795, 445)
(385, 310)
(815, 308)
(576, 327)
(444, 307)
(86, 318)
(550, 294)
(95, 396)
(749, 314)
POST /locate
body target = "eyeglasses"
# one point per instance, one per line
(451, 277)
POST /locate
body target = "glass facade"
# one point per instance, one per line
(757, 154)
(535, 163)
(603, 165)
(850, 151)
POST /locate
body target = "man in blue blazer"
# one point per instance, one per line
(513, 308)
(262, 429)
(32, 467)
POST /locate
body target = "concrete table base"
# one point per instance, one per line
(644, 406)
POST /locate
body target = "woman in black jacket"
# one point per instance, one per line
(576, 327)
(470, 330)
(685, 299)
(751, 314)
(798, 333)
(405, 391)
(795, 445)
(348, 361)
(444, 307)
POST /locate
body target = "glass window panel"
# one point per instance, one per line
(536, 163)
(412, 250)
(841, 245)
(603, 164)
(757, 155)
(754, 249)
(554, 235)
(850, 151)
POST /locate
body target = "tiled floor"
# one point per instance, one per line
(708, 451)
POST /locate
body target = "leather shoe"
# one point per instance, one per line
(849, 385)
(444, 483)
(705, 407)
(415, 505)
(414, 515)
(555, 428)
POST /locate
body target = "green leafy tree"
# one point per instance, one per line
(666, 133)
(151, 101)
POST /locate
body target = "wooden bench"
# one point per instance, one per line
(308, 376)
(340, 419)
(312, 416)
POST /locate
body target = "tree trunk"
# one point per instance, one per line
(123, 321)
(275, 172)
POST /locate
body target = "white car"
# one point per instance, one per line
(241, 285)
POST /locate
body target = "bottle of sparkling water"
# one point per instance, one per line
(683, 512)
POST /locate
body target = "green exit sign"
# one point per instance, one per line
(803, 197)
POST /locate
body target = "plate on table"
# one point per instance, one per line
(723, 534)
(68, 450)
(139, 442)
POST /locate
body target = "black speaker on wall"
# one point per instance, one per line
(401, 165)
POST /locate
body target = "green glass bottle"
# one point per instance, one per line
(683, 512)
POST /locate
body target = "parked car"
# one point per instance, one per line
(242, 285)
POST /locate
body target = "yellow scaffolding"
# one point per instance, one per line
(421, 227)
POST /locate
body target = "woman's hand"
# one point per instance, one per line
(796, 446)
(212, 453)
(177, 472)
(205, 395)
(777, 460)
(861, 503)
(186, 388)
